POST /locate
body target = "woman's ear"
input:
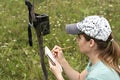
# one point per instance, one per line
(92, 42)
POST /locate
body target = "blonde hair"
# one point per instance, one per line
(110, 52)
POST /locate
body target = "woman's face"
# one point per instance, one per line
(83, 44)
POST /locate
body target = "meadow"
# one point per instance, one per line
(19, 61)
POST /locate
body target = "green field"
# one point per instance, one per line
(19, 61)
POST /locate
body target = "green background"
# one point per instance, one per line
(19, 61)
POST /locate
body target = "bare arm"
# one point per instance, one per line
(69, 71)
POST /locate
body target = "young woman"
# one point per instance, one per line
(95, 40)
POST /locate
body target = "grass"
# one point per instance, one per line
(19, 61)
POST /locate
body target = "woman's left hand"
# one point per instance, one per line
(56, 70)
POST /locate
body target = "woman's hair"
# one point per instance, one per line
(110, 51)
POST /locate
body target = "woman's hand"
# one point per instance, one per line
(56, 70)
(58, 53)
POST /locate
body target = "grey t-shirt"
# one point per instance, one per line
(100, 71)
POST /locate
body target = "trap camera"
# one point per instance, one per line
(42, 21)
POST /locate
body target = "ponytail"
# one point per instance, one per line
(114, 51)
(111, 54)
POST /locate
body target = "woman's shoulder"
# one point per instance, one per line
(101, 71)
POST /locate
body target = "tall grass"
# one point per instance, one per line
(19, 61)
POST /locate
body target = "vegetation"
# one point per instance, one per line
(19, 61)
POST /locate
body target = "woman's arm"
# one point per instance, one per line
(69, 71)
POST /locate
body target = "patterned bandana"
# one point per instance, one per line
(94, 26)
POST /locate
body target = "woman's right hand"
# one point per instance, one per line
(58, 53)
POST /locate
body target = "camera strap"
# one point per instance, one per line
(30, 34)
(31, 17)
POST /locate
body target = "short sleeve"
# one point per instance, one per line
(91, 79)
(88, 66)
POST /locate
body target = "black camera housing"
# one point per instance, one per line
(42, 23)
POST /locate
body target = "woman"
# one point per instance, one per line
(95, 40)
